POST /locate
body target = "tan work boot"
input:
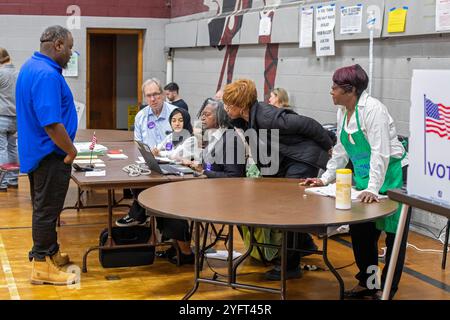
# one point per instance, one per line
(46, 272)
(60, 259)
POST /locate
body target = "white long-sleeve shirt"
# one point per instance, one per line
(186, 150)
(379, 130)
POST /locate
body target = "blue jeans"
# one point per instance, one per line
(8, 147)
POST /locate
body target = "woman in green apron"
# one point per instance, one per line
(368, 138)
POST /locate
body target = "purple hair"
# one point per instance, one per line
(351, 77)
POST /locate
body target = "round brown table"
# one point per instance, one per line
(270, 203)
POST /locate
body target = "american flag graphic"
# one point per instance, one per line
(93, 142)
(437, 119)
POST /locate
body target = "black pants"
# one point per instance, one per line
(170, 228)
(293, 169)
(49, 183)
(176, 229)
(365, 248)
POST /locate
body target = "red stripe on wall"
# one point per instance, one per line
(96, 8)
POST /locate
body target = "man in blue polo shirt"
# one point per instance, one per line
(47, 124)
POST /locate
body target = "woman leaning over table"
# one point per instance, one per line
(368, 138)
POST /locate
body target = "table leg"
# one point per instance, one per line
(331, 267)
(197, 260)
(110, 216)
(205, 238)
(245, 255)
(395, 250)
(109, 242)
(231, 276)
(283, 265)
(85, 257)
(444, 254)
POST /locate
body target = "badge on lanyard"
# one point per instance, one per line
(151, 125)
(169, 146)
(208, 167)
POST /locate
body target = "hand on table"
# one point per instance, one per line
(368, 197)
(311, 182)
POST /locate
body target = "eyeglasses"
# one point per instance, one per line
(153, 95)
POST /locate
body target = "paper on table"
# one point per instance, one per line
(330, 191)
(84, 147)
(140, 160)
(86, 161)
(120, 156)
(96, 173)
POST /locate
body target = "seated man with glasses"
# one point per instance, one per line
(151, 126)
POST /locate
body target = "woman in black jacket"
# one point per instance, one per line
(298, 148)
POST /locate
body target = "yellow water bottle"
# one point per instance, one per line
(344, 189)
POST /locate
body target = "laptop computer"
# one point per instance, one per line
(165, 169)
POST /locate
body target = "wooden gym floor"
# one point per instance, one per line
(422, 278)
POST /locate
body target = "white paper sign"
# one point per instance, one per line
(429, 148)
(72, 67)
(351, 19)
(306, 27)
(325, 17)
(325, 22)
(442, 15)
(265, 25)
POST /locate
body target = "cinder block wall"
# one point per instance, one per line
(20, 35)
(308, 78)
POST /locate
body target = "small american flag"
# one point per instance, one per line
(93, 142)
(437, 119)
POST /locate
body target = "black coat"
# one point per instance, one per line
(229, 144)
(301, 138)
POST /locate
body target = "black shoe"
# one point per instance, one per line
(169, 253)
(13, 186)
(184, 259)
(275, 273)
(4, 189)
(128, 221)
(359, 292)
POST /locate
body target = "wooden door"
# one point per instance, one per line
(102, 81)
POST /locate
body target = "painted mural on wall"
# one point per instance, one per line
(227, 24)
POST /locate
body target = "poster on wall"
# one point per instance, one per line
(306, 27)
(442, 15)
(325, 22)
(72, 67)
(351, 19)
(429, 166)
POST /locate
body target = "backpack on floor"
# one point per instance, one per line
(126, 257)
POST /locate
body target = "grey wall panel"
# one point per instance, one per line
(377, 4)
(203, 33)
(250, 27)
(420, 18)
(181, 34)
(285, 25)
